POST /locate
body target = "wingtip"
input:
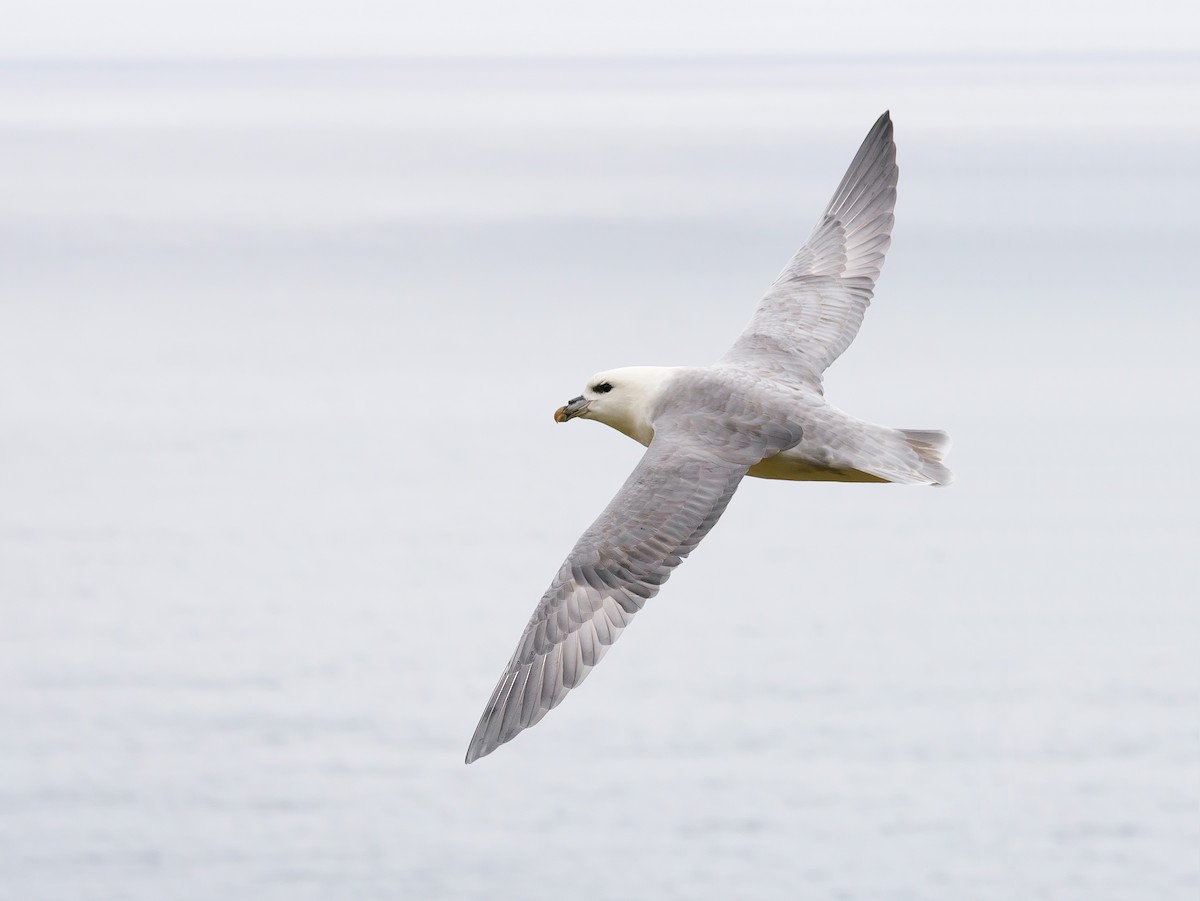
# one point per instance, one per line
(479, 749)
(884, 123)
(480, 746)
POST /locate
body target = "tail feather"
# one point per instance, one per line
(931, 446)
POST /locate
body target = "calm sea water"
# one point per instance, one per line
(279, 484)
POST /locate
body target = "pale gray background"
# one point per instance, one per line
(287, 299)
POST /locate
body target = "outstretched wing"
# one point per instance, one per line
(814, 308)
(667, 505)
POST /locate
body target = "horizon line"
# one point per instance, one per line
(679, 60)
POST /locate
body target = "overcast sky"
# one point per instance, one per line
(304, 28)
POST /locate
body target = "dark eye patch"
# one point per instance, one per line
(603, 388)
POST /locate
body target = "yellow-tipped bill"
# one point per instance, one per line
(574, 407)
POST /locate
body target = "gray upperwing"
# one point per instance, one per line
(700, 452)
(668, 504)
(814, 308)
